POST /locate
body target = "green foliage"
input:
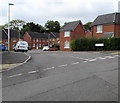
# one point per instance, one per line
(87, 25)
(32, 27)
(16, 24)
(1, 26)
(52, 26)
(73, 45)
(85, 44)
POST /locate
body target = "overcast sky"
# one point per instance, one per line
(39, 11)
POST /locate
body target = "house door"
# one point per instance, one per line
(37, 46)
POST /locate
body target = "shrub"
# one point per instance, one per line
(84, 44)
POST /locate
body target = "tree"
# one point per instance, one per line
(16, 24)
(1, 26)
(52, 26)
(87, 26)
(32, 27)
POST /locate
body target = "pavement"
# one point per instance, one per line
(11, 59)
(63, 76)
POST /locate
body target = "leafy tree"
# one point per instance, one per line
(52, 26)
(16, 24)
(32, 27)
(87, 26)
(1, 26)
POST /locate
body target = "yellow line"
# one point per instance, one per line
(3, 66)
(116, 53)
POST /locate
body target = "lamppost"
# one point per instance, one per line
(9, 25)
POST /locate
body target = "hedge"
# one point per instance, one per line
(85, 44)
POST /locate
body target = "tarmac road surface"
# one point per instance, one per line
(63, 76)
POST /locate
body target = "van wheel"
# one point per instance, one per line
(15, 50)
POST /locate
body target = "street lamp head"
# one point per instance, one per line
(11, 4)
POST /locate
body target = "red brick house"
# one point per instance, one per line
(69, 32)
(14, 37)
(106, 26)
(38, 40)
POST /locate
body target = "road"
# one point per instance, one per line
(64, 76)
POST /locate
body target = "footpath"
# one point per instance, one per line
(9, 60)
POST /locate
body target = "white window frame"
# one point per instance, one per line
(40, 40)
(67, 34)
(66, 44)
(99, 29)
(40, 45)
(33, 40)
(33, 44)
(37, 40)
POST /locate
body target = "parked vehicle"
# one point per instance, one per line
(21, 46)
(29, 48)
(3, 47)
(45, 48)
(52, 49)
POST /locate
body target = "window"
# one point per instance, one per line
(39, 45)
(39, 40)
(33, 45)
(67, 44)
(36, 40)
(99, 29)
(33, 40)
(67, 34)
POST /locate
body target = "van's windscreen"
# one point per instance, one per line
(23, 43)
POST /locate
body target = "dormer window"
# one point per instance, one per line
(99, 29)
(67, 34)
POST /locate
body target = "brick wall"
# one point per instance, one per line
(62, 41)
(12, 43)
(118, 30)
(77, 33)
(106, 28)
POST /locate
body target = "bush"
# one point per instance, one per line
(84, 44)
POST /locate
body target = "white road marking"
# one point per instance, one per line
(48, 68)
(91, 60)
(33, 72)
(109, 57)
(63, 65)
(116, 55)
(85, 61)
(101, 58)
(75, 63)
(14, 75)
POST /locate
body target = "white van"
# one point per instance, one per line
(21, 46)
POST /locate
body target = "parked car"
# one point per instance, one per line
(21, 46)
(52, 49)
(3, 47)
(45, 48)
